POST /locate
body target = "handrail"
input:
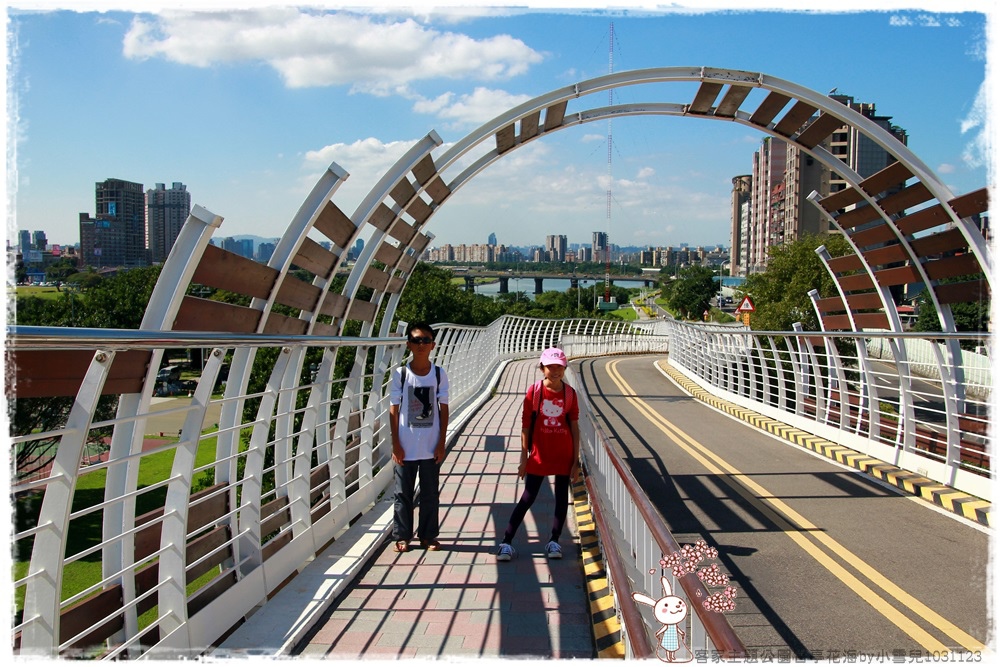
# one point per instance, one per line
(635, 627)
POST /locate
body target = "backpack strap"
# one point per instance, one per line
(437, 376)
(535, 393)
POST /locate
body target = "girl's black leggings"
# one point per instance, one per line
(532, 484)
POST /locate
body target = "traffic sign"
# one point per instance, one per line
(746, 305)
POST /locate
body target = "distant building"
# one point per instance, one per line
(241, 247)
(116, 235)
(25, 243)
(492, 239)
(39, 241)
(555, 247)
(166, 212)
(599, 247)
(264, 251)
(739, 198)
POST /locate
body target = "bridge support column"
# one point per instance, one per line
(504, 285)
(470, 283)
(538, 285)
(574, 283)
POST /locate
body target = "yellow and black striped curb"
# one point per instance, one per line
(958, 502)
(603, 615)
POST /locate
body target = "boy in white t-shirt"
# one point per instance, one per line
(418, 438)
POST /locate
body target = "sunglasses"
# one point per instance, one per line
(421, 340)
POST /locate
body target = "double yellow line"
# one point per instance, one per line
(800, 530)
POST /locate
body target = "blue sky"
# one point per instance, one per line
(247, 107)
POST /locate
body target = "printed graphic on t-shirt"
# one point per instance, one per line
(552, 410)
(421, 407)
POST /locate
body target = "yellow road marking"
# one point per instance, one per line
(787, 518)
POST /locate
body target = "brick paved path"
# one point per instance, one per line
(460, 601)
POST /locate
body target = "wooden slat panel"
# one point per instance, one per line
(395, 285)
(44, 373)
(209, 543)
(893, 175)
(529, 126)
(203, 315)
(146, 580)
(206, 595)
(419, 210)
(856, 283)
(871, 321)
(819, 130)
(903, 275)
(950, 240)
(867, 301)
(147, 540)
(912, 195)
(283, 325)
(363, 311)
(298, 294)
(275, 545)
(403, 192)
(334, 305)
(438, 190)
(275, 521)
(320, 511)
(226, 270)
(928, 218)
(846, 263)
(323, 329)
(842, 199)
(505, 139)
(833, 304)
(705, 97)
(207, 507)
(77, 618)
(420, 243)
(382, 217)
(769, 108)
(732, 100)
(315, 258)
(874, 235)
(319, 475)
(972, 291)
(554, 115)
(425, 170)
(335, 225)
(407, 262)
(836, 322)
(375, 278)
(858, 216)
(271, 507)
(401, 231)
(795, 118)
(886, 255)
(972, 203)
(951, 267)
(388, 254)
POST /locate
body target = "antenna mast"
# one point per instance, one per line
(607, 242)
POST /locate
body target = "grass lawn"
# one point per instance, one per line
(41, 292)
(85, 531)
(624, 313)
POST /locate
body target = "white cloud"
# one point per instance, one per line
(474, 108)
(946, 168)
(977, 151)
(370, 54)
(645, 172)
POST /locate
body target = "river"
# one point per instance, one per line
(551, 285)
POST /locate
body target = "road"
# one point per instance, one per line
(825, 559)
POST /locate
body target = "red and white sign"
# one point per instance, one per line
(746, 305)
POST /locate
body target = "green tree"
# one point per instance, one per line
(972, 317)
(781, 293)
(692, 291)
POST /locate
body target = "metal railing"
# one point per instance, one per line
(896, 397)
(133, 540)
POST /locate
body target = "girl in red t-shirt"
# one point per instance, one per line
(554, 445)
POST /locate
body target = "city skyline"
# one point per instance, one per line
(254, 163)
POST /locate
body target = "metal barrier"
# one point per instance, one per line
(888, 405)
(133, 542)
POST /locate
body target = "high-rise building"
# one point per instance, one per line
(39, 241)
(739, 197)
(116, 235)
(492, 238)
(555, 246)
(25, 242)
(167, 210)
(599, 246)
(857, 151)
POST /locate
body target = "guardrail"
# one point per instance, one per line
(634, 541)
(891, 406)
(133, 540)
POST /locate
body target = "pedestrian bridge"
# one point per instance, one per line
(132, 541)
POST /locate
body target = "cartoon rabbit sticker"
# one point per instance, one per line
(669, 610)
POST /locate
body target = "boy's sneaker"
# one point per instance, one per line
(505, 552)
(553, 550)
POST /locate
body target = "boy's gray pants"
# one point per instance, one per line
(405, 476)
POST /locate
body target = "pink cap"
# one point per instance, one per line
(553, 355)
